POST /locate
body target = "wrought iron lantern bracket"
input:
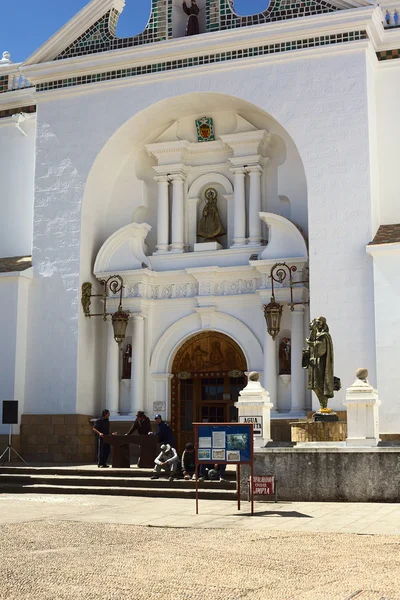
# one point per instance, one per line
(119, 319)
(273, 311)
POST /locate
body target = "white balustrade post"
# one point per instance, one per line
(255, 173)
(112, 372)
(297, 372)
(239, 222)
(177, 213)
(162, 215)
(270, 369)
(138, 364)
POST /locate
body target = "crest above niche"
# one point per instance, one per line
(223, 123)
(93, 29)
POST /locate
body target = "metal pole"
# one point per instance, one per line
(9, 443)
(238, 486)
(197, 467)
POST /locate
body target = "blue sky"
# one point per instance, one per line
(27, 25)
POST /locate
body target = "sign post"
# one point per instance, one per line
(226, 444)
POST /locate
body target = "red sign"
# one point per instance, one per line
(264, 485)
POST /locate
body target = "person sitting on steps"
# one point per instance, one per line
(217, 473)
(168, 459)
(189, 462)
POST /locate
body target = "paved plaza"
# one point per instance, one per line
(57, 547)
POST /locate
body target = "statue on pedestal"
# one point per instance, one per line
(318, 359)
(192, 11)
(210, 226)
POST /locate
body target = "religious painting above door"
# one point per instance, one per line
(208, 374)
(205, 130)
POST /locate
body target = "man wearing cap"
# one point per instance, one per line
(164, 431)
(168, 459)
(142, 424)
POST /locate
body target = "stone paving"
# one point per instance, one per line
(318, 517)
(56, 547)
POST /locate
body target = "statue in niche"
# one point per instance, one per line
(216, 356)
(127, 363)
(210, 226)
(192, 27)
(285, 352)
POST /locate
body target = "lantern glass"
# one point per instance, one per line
(273, 316)
(120, 322)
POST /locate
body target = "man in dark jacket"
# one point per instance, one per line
(164, 431)
(102, 428)
(142, 424)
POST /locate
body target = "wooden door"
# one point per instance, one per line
(208, 376)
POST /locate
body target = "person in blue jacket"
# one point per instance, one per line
(164, 431)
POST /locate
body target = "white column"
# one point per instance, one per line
(255, 173)
(162, 214)
(270, 369)
(138, 363)
(112, 372)
(239, 228)
(297, 377)
(177, 213)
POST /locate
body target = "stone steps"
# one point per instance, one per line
(123, 482)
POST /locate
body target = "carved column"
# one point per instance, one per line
(112, 372)
(138, 365)
(162, 215)
(239, 223)
(178, 220)
(270, 369)
(297, 375)
(255, 173)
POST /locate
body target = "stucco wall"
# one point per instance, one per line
(387, 322)
(387, 100)
(17, 163)
(320, 100)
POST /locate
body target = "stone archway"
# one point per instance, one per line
(208, 374)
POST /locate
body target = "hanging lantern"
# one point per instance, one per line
(120, 322)
(273, 315)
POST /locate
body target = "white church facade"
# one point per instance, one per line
(281, 129)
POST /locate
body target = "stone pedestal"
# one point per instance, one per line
(254, 407)
(207, 246)
(318, 431)
(362, 405)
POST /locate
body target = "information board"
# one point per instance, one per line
(223, 443)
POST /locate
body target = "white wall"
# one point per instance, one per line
(329, 126)
(17, 163)
(387, 80)
(387, 323)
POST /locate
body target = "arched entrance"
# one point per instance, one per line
(208, 374)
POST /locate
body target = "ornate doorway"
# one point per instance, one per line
(208, 374)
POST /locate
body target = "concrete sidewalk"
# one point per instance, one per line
(169, 512)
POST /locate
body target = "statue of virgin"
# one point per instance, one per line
(210, 225)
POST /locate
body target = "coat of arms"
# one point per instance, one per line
(205, 130)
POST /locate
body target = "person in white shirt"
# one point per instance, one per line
(168, 459)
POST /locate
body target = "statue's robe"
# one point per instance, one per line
(192, 27)
(320, 371)
(210, 225)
